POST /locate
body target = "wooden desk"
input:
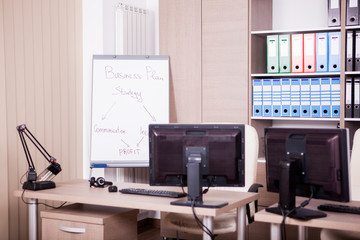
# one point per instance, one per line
(339, 221)
(78, 191)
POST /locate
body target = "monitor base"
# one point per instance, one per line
(204, 204)
(34, 186)
(301, 213)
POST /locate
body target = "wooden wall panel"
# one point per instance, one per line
(180, 38)
(225, 61)
(207, 42)
(4, 206)
(41, 86)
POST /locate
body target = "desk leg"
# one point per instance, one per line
(208, 222)
(302, 232)
(241, 223)
(33, 219)
(275, 231)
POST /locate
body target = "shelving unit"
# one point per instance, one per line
(258, 30)
(328, 74)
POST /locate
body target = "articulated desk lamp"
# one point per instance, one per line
(43, 181)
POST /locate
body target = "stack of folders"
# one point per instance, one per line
(352, 50)
(296, 97)
(303, 53)
(352, 97)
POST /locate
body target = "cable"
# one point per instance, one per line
(182, 184)
(21, 179)
(199, 222)
(286, 214)
(210, 182)
(47, 205)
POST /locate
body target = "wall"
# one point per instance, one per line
(41, 86)
(294, 14)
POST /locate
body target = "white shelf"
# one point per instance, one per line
(352, 119)
(289, 31)
(352, 73)
(337, 74)
(298, 118)
(352, 27)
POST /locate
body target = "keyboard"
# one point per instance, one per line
(151, 192)
(339, 208)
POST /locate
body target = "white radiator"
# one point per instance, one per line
(130, 30)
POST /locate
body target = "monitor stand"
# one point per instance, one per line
(287, 194)
(300, 213)
(194, 181)
(203, 204)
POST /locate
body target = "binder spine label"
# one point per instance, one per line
(276, 98)
(305, 98)
(325, 97)
(257, 97)
(322, 52)
(335, 97)
(334, 51)
(295, 97)
(348, 98)
(284, 53)
(272, 42)
(334, 45)
(356, 98)
(267, 89)
(357, 42)
(285, 97)
(315, 97)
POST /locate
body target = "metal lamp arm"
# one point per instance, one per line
(22, 129)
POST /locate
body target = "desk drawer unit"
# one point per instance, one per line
(89, 222)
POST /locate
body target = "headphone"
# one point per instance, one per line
(99, 182)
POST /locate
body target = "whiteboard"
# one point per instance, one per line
(128, 93)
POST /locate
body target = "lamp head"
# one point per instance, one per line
(50, 172)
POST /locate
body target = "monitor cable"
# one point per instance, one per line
(182, 184)
(285, 214)
(197, 220)
(200, 223)
(210, 183)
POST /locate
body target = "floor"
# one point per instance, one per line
(149, 230)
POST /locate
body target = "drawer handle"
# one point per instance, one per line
(72, 230)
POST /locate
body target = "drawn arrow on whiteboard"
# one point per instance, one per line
(127, 145)
(105, 115)
(152, 116)
(139, 141)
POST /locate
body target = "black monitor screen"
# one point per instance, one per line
(320, 159)
(221, 147)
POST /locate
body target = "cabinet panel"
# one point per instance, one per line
(180, 38)
(225, 63)
(61, 229)
(87, 222)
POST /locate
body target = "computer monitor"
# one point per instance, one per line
(197, 156)
(307, 162)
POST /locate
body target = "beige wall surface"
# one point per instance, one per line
(40, 86)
